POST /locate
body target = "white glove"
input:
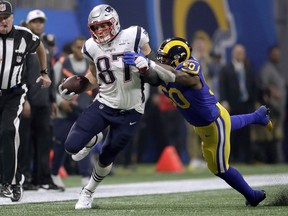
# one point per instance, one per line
(142, 64)
(63, 92)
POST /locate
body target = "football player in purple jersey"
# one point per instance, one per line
(183, 82)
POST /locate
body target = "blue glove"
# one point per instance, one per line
(130, 57)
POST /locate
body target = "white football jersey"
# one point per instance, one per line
(120, 86)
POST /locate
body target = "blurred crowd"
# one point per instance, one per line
(235, 83)
(241, 89)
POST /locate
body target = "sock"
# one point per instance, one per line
(240, 121)
(236, 181)
(98, 174)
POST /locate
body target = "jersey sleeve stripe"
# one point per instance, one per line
(137, 40)
(189, 71)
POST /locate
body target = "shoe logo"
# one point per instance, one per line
(132, 123)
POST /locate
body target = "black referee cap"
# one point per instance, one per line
(6, 8)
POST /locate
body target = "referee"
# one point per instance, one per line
(15, 43)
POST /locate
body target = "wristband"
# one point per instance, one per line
(43, 72)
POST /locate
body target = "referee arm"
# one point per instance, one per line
(43, 78)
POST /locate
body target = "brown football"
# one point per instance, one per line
(76, 83)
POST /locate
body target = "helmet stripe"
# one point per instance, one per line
(173, 43)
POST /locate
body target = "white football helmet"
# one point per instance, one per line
(103, 23)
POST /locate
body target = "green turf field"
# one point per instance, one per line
(217, 202)
(144, 173)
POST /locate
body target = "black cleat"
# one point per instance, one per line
(5, 190)
(17, 193)
(52, 186)
(17, 190)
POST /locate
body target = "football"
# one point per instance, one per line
(76, 83)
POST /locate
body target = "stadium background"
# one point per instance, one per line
(257, 24)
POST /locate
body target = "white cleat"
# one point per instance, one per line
(85, 151)
(85, 200)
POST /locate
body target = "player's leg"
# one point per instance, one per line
(260, 117)
(88, 147)
(120, 134)
(89, 123)
(216, 150)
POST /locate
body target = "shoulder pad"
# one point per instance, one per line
(190, 66)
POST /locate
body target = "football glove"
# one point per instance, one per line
(138, 60)
(129, 58)
(64, 94)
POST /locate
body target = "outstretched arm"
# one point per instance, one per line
(165, 72)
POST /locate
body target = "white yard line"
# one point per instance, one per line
(136, 189)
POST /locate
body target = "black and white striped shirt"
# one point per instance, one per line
(14, 48)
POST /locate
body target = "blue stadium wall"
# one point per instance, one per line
(223, 21)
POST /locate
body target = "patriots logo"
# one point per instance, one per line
(109, 9)
(2, 7)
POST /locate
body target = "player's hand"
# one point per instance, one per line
(44, 80)
(64, 93)
(138, 60)
(129, 58)
(142, 64)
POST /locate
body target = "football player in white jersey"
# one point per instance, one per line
(120, 101)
